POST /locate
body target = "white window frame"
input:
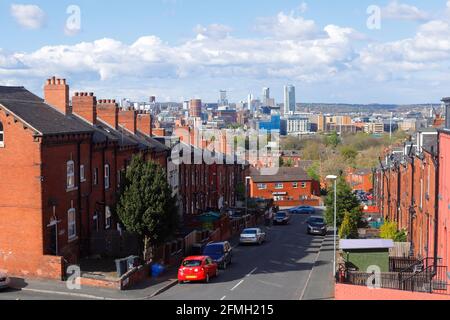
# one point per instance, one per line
(304, 185)
(2, 133)
(82, 174)
(107, 176)
(295, 185)
(70, 176)
(279, 186)
(72, 224)
(262, 186)
(108, 218)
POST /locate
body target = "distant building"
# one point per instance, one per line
(297, 125)
(289, 99)
(274, 124)
(266, 96)
(374, 128)
(223, 101)
(195, 108)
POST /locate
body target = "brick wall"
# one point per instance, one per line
(350, 292)
(444, 198)
(288, 192)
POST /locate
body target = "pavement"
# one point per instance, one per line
(291, 265)
(57, 290)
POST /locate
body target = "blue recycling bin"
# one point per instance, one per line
(157, 270)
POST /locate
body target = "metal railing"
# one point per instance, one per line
(423, 276)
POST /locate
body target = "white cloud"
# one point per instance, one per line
(298, 51)
(288, 26)
(28, 16)
(213, 31)
(401, 11)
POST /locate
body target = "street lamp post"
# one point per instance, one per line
(334, 179)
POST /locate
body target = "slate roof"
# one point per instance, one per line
(283, 175)
(32, 110)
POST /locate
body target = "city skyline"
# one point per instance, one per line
(327, 51)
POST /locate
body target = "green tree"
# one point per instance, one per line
(349, 153)
(346, 203)
(389, 230)
(333, 140)
(146, 206)
(349, 227)
(314, 171)
(292, 143)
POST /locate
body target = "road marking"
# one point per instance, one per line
(223, 298)
(251, 272)
(240, 282)
(79, 295)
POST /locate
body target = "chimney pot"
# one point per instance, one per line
(91, 94)
(49, 81)
(64, 81)
(59, 81)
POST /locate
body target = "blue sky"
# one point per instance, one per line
(180, 49)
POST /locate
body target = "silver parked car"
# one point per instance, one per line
(5, 281)
(252, 236)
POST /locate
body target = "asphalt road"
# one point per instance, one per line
(281, 269)
(278, 270)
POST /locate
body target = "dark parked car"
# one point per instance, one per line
(303, 210)
(282, 217)
(317, 225)
(220, 252)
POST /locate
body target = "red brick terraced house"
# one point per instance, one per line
(443, 194)
(61, 166)
(288, 187)
(361, 179)
(208, 181)
(406, 191)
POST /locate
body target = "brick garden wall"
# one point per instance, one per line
(350, 292)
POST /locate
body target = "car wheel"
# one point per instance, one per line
(180, 282)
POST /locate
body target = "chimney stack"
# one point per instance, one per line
(144, 124)
(108, 111)
(84, 105)
(127, 119)
(56, 94)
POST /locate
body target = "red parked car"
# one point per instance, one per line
(198, 268)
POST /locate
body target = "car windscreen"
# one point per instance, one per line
(317, 220)
(213, 249)
(249, 232)
(192, 263)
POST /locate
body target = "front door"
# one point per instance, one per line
(53, 240)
